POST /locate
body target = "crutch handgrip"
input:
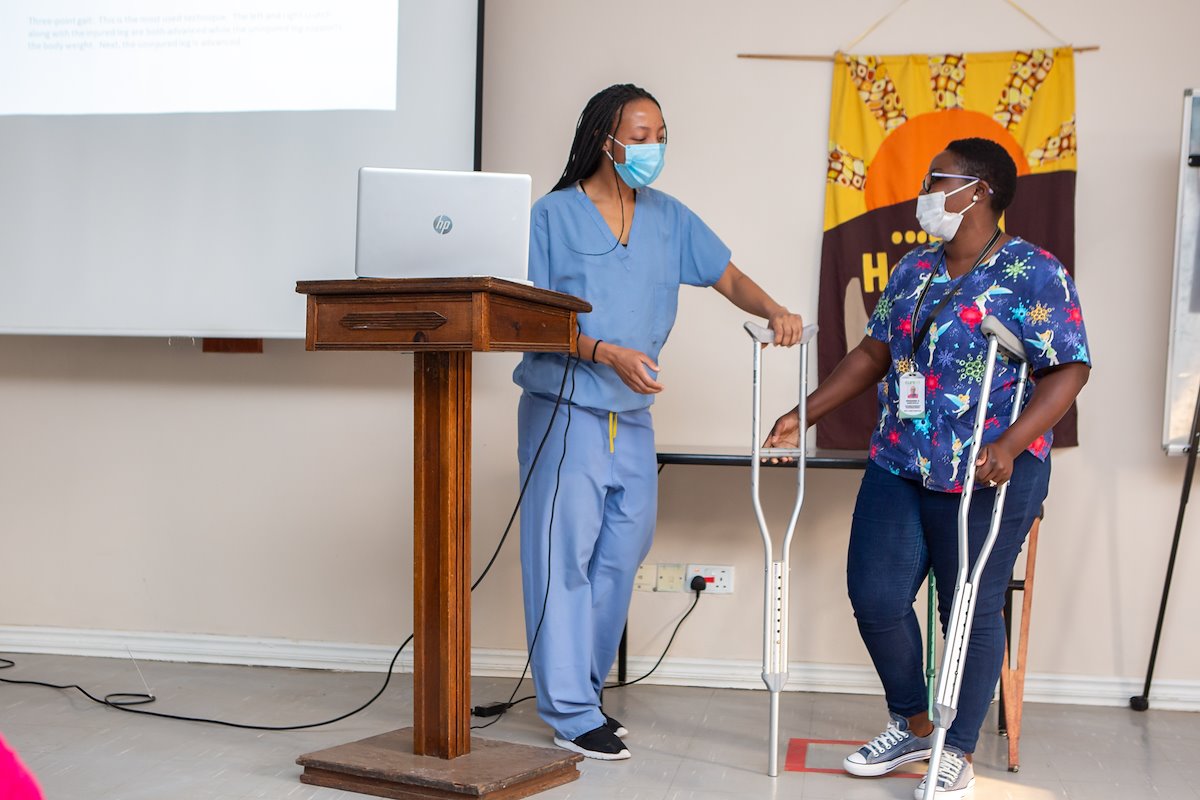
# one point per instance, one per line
(767, 336)
(781, 452)
(1005, 338)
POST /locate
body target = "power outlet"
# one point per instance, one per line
(718, 578)
(670, 578)
(646, 578)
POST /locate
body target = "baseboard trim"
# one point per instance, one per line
(201, 648)
(712, 673)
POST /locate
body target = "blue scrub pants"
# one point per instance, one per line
(900, 529)
(602, 525)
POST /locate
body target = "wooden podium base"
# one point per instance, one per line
(385, 766)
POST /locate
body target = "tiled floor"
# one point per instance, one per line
(688, 744)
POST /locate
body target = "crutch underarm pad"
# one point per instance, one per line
(766, 335)
(1005, 338)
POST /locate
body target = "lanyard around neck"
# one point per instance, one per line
(919, 340)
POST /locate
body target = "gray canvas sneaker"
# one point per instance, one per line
(897, 745)
(955, 778)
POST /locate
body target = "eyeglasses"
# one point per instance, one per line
(933, 177)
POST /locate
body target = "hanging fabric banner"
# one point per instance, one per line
(889, 116)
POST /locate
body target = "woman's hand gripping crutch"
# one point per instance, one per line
(775, 597)
(962, 610)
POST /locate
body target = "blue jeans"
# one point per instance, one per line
(901, 529)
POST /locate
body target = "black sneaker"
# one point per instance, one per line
(615, 726)
(599, 743)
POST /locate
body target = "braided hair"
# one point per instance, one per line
(601, 117)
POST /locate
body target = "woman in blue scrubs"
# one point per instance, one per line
(589, 510)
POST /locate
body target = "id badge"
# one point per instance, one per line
(912, 396)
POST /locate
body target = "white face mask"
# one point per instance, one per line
(935, 219)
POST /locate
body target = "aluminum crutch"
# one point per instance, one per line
(775, 596)
(962, 610)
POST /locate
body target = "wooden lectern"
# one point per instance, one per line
(442, 321)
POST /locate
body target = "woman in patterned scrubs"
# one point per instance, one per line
(925, 330)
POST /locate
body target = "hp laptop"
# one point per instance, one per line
(440, 224)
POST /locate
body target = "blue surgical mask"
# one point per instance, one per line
(642, 164)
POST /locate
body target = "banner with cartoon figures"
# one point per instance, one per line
(889, 116)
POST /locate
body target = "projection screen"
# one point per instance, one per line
(173, 167)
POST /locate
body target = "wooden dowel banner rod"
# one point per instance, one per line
(829, 59)
(775, 57)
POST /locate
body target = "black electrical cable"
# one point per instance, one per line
(138, 698)
(536, 455)
(122, 701)
(549, 544)
(665, 649)
(499, 709)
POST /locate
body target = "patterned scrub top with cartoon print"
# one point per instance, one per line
(1022, 285)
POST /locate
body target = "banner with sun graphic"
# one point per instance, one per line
(889, 116)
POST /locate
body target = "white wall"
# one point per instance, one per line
(747, 151)
(148, 487)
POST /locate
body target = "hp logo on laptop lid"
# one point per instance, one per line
(442, 223)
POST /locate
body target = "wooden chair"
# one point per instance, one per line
(1012, 677)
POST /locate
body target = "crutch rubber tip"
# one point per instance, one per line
(1139, 703)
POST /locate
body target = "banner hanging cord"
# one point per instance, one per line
(1037, 22)
(875, 25)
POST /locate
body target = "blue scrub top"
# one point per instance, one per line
(633, 289)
